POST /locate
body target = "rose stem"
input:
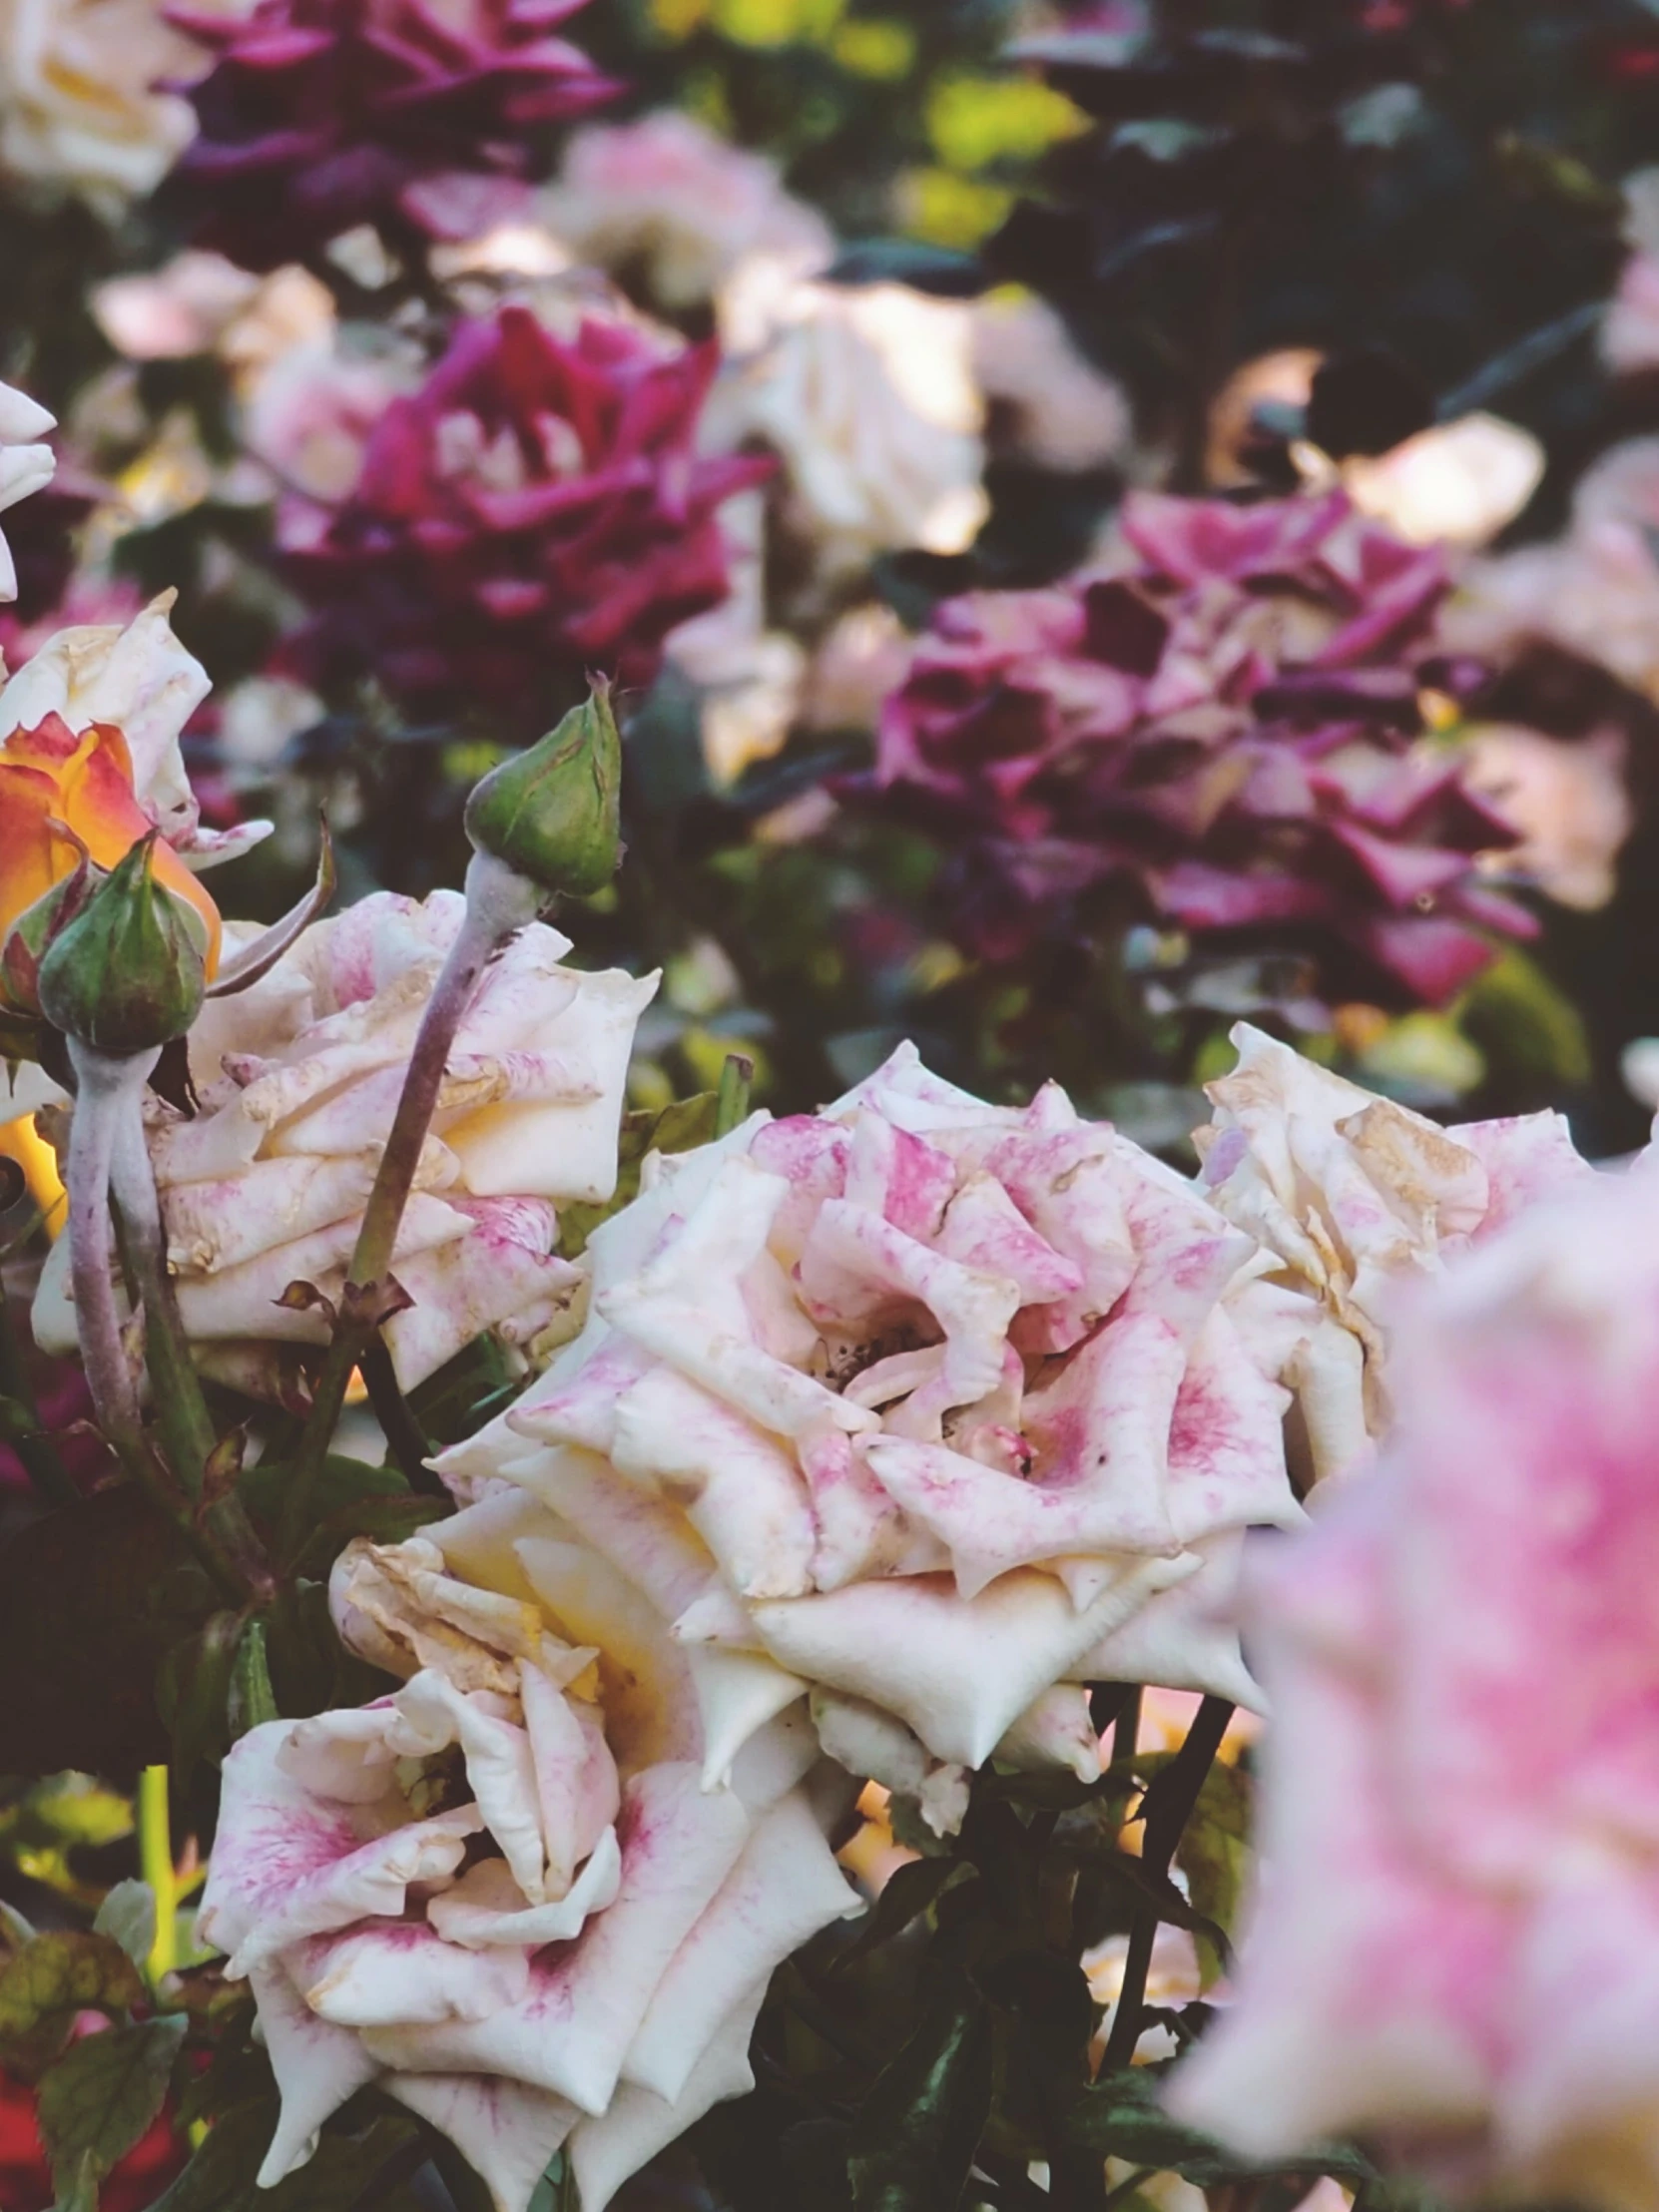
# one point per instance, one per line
(498, 903)
(103, 1086)
(1167, 1808)
(156, 1867)
(185, 1426)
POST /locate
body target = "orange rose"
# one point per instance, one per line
(47, 775)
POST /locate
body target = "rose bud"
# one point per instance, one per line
(552, 814)
(128, 974)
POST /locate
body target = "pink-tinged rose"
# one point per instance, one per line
(676, 207)
(82, 105)
(868, 395)
(138, 679)
(299, 1079)
(941, 1407)
(317, 116)
(1354, 1196)
(511, 1894)
(1224, 716)
(537, 509)
(1567, 799)
(1453, 1948)
(26, 464)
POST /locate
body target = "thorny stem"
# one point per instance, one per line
(1167, 1808)
(185, 1426)
(107, 1089)
(498, 905)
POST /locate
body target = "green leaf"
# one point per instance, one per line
(192, 1687)
(1120, 2116)
(342, 2171)
(909, 1893)
(54, 1976)
(127, 1914)
(916, 2133)
(252, 1699)
(341, 1482)
(100, 2097)
(385, 1520)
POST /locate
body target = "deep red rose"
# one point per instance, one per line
(535, 511)
(320, 115)
(1225, 715)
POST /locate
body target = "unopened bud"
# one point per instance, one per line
(129, 972)
(31, 935)
(553, 814)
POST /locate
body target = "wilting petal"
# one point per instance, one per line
(507, 2133)
(317, 2069)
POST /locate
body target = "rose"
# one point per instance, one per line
(25, 465)
(297, 1079)
(521, 1895)
(921, 1402)
(666, 200)
(1455, 1948)
(536, 509)
(1355, 1195)
(868, 396)
(80, 108)
(1219, 717)
(320, 115)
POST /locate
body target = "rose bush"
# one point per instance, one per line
(921, 1402)
(513, 1893)
(297, 1078)
(1454, 1945)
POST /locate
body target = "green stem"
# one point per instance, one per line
(34, 1448)
(155, 1866)
(185, 1424)
(498, 905)
(1166, 1810)
(104, 1087)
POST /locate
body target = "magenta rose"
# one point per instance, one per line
(1223, 714)
(536, 510)
(320, 115)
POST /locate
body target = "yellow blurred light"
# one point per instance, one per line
(22, 1142)
(774, 22)
(972, 121)
(677, 18)
(947, 210)
(883, 51)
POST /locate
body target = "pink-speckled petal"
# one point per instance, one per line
(1185, 1638)
(785, 1888)
(486, 1908)
(958, 1671)
(606, 2150)
(291, 1863)
(507, 2133)
(741, 1490)
(317, 2069)
(585, 2002)
(382, 1974)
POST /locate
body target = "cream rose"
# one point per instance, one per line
(512, 1894)
(298, 1079)
(1353, 1195)
(26, 464)
(940, 1408)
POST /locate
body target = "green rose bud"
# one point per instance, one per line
(128, 974)
(552, 814)
(31, 935)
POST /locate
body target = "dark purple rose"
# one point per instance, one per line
(320, 115)
(1225, 715)
(536, 511)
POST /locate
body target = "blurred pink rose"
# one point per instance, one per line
(1456, 1947)
(677, 206)
(317, 116)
